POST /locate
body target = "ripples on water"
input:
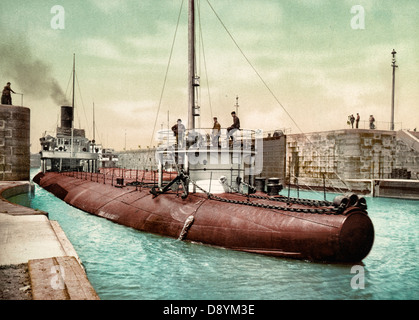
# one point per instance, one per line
(123, 263)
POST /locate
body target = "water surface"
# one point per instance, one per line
(123, 263)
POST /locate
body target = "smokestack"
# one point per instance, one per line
(66, 116)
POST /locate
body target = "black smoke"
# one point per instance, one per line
(31, 75)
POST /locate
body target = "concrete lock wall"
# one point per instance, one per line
(138, 159)
(350, 154)
(14, 143)
(334, 158)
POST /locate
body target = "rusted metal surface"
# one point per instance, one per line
(253, 224)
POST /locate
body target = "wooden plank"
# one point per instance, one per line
(59, 278)
(76, 282)
(46, 282)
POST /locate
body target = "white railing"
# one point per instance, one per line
(206, 138)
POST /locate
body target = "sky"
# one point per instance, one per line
(298, 65)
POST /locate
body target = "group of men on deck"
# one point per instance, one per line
(179, 130)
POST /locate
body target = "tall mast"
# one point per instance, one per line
(394, 66)
(72, 105)
(94, 129)
(191, 65)
(74, 72)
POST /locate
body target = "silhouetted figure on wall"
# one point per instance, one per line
(6, 97)
(372, 120)
(352, 119)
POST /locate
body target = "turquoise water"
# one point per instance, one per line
(123, 263)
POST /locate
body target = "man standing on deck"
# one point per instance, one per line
(179, 131)
(357, 120)
(216, 131)
(6, 97)
(234, 127)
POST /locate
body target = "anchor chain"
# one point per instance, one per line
(330, 210)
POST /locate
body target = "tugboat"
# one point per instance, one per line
(70, 149)
(212, 199)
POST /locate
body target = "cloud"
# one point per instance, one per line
(101, 48)
(110, 7)
(318, 67)
(31, 75)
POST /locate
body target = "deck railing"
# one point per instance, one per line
(207, 138)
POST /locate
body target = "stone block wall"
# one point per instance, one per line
(138, 159)
(14, 143)
(348, 154)
(334, 157)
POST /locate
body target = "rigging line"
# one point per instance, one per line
(205, 62)
(341, 179)
(96, 132)
(265, 84)
(68, 84)
(335, 189)
(254, 69)
(198, 61)
(82, 103)
(330, 183)
(305, 184)
(165, 77)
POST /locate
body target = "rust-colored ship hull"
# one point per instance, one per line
(274, 226)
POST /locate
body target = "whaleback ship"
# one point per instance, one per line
(204, 191)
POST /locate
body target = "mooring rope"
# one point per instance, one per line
(167, 71)
(267, 86)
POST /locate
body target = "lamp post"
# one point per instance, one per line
(394, 66)
(237, 105)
